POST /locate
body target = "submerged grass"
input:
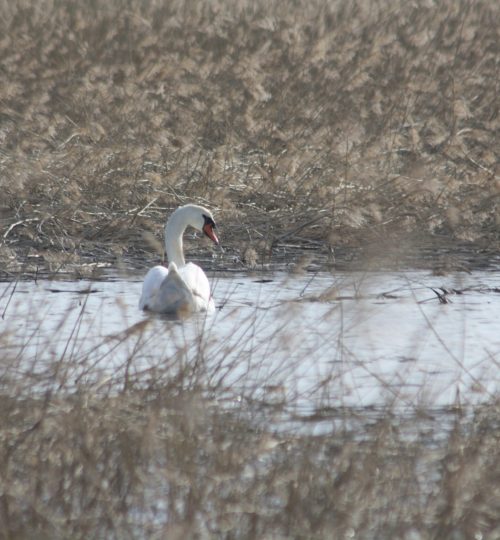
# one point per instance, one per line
(303, 125)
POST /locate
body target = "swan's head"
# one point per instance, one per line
(200, 219)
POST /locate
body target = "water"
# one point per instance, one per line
(313, 341)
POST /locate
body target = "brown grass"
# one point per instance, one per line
(169, 448)
(305, 125)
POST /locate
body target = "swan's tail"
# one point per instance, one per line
(174, 295)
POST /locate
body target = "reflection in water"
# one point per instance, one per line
(314, 341)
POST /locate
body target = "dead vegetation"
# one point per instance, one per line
(309, 125)
(305, 126)
(168, 448)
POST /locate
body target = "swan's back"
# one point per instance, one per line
(176, 290)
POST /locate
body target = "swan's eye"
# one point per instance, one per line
(209, 221)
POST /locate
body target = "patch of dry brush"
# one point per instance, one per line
(152, 456)
(323, 123)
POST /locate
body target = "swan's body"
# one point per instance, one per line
(183, 288)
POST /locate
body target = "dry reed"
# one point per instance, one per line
(151, 433)
(305, 126)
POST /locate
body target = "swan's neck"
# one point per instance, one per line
(174, 230)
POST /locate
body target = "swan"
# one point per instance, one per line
(183, 288)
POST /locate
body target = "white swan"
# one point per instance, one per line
(183, 288)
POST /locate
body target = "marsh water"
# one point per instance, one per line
(314, 340)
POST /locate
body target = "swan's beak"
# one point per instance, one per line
(208, 229)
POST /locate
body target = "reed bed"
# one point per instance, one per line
(370, 125)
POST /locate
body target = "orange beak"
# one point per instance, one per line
(209, 231)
